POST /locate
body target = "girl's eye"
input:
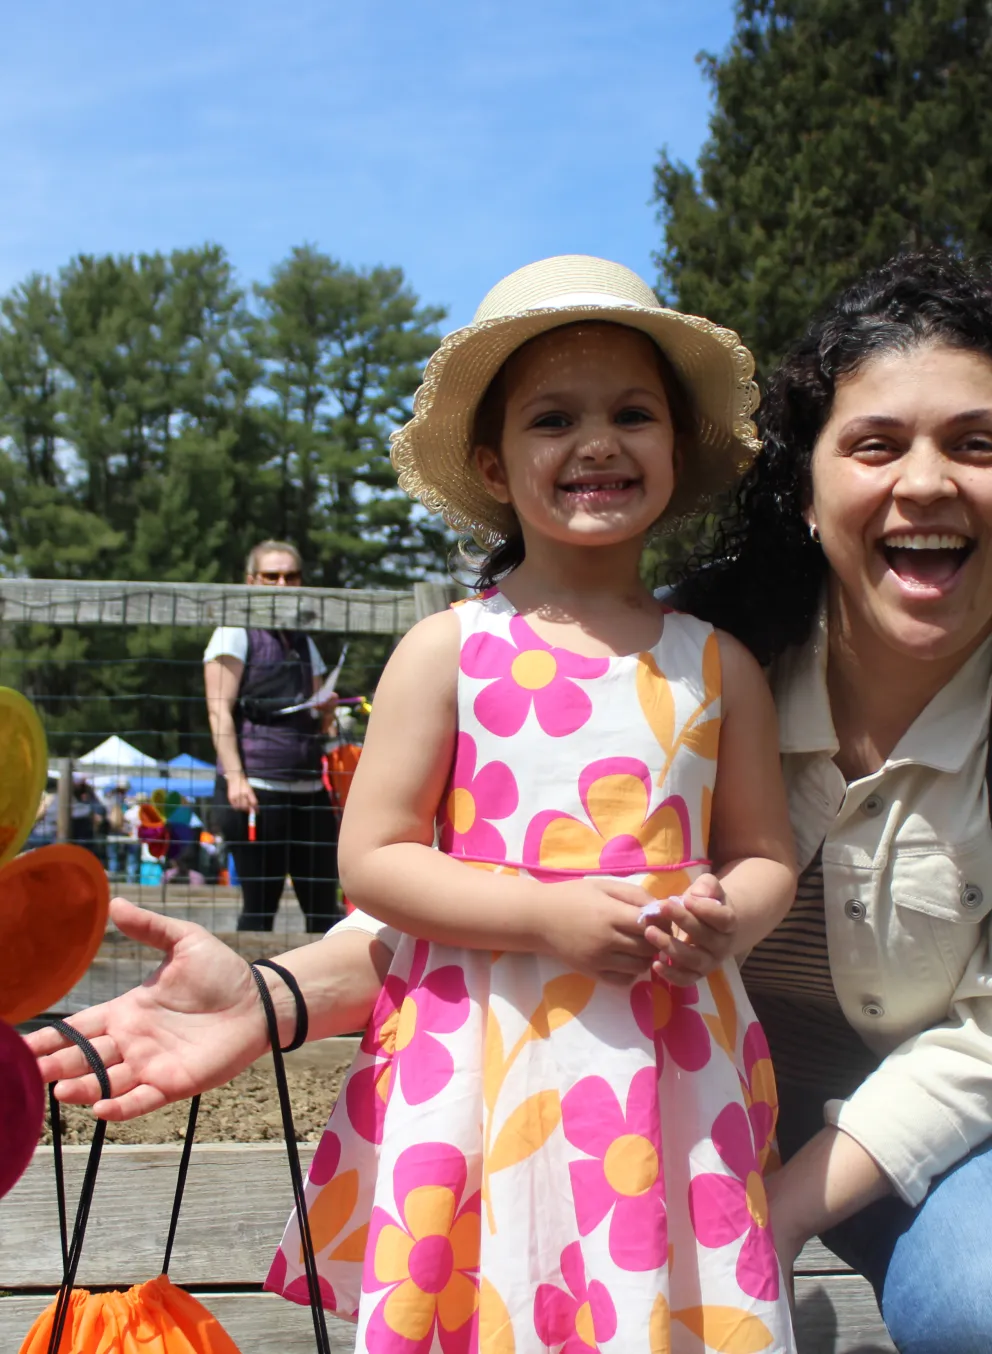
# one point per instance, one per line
(553, 419)
(633, 415)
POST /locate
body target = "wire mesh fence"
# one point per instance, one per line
(116, 672)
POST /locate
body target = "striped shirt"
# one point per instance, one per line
(788, 980)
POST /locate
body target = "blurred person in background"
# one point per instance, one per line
(271, 806)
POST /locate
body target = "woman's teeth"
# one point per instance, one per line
(917, 541)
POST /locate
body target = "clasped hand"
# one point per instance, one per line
(596, 926)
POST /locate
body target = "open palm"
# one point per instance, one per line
(193, 1024)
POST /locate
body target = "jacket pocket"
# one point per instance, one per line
(941, 901)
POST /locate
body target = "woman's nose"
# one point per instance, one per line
(924, 474)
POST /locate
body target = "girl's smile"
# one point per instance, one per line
(587, 447)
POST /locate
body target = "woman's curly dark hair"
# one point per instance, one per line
(761, 576)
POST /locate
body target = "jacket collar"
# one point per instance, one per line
(942, 737)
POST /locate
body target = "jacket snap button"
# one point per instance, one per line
(855, 910)
(972, 896)
(872, 1009)
(872, 806)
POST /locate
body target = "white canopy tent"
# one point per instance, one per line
(115, 756)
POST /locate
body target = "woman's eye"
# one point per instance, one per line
(874, 449)
(979, 444)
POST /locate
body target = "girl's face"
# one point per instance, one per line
(588, 448)
(902, 499)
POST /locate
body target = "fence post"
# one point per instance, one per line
(64, 821)
(431, 597)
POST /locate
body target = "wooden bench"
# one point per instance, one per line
(236, 1204)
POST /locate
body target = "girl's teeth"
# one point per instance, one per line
(916, 541)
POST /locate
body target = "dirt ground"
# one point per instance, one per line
(246, 1110)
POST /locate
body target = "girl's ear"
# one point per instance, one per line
(490, 467)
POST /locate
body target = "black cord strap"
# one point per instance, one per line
(72, 1249)
(299, 1197)
(302, 1017)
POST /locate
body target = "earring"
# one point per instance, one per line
(814, 533)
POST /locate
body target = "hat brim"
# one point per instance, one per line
(23, 770)
(433, 452)
(22, 1107)
(54, 904)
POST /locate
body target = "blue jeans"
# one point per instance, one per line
(930, 1266)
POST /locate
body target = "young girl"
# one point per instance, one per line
(553, 1135)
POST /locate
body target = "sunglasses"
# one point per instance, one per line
(293, 579)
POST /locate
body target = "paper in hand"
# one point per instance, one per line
(327, 688)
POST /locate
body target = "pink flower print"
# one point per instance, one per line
(725, 1207)
(760, 1093)
(528, 671)
(297, 1290)
(623, 834)
(664, 1013)
(625, 1172)
(576, 1320)
(426, 1255)
(400, 1037)
(474, 799)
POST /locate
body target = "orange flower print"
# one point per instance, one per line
(621, 835)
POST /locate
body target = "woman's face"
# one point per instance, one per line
(902, 500)
(587, 453)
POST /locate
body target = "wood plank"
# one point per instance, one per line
(237, 1201)
(815, 1258)
(343, 611)
(839, 1315)
(258, 1323)
(835, 1317)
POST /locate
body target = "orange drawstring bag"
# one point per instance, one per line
(341, 762)
(156, 1317)
(151, 1318)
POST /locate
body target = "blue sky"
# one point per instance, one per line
(456, 138)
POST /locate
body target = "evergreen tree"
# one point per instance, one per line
(843, 131)
(344, 350)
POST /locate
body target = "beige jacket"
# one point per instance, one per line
(907, 871)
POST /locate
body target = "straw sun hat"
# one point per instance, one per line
(433, 452)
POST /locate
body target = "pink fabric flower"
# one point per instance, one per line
(401, 1039)
(625, 1173)
(297, 1291)
(474, 799)
(760, 1093)
(426, 1255)
(576, 1320)
(528, 671)
(664, 1013)
(725, 1207)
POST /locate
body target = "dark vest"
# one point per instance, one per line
(278, 672)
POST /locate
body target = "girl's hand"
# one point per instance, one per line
(592, 925)
(695, 933)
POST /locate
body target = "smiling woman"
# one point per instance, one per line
(858, 558)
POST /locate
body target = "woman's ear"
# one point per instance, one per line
(490, 467)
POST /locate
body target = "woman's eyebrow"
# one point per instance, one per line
(971, 416)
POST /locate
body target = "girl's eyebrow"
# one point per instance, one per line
(561, 397)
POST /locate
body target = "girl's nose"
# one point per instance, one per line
(599, 445)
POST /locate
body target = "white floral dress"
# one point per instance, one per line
(523, 1159)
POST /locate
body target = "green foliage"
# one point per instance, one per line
(155, 422)
(843, 131)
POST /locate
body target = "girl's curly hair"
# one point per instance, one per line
(761, 575)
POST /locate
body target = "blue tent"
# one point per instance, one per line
(186, 762)
(191, 787)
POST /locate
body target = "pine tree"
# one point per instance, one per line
(344, 350)
(843, 130)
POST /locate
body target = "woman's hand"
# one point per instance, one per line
(694, 934)
(195, 1023)
(592, 925)
(240, 795)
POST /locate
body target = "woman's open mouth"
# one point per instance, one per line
(926, 561)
